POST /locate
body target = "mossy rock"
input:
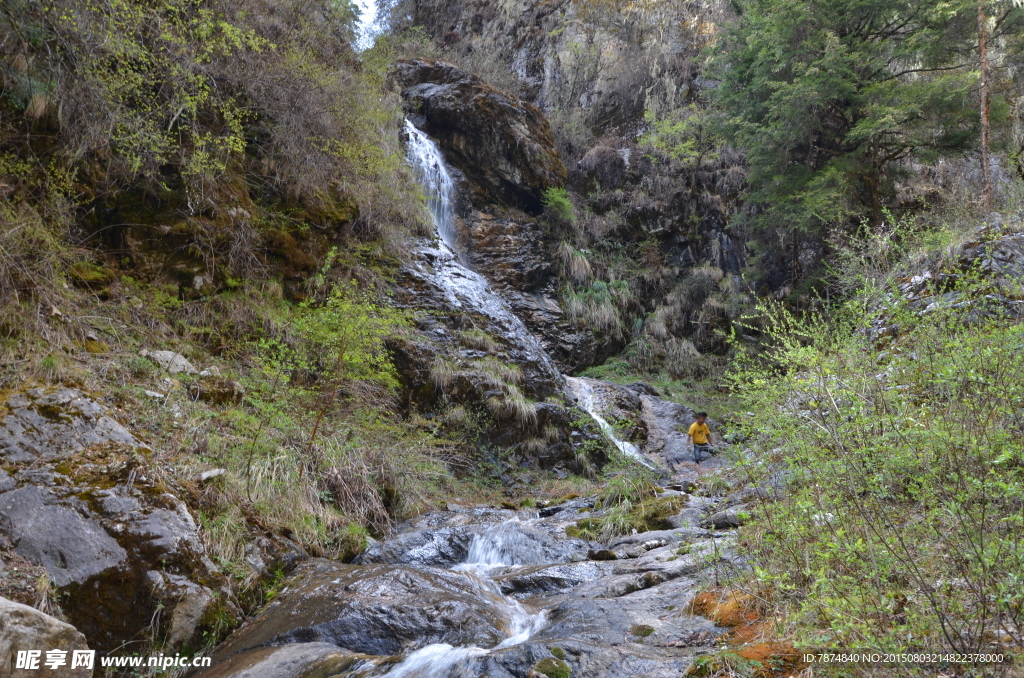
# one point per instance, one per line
(641, 630)
(553, 668)
(558, 652)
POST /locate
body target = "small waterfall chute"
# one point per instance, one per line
(432, 173)
(584, 393)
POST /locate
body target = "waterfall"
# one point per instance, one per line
(433, 175)
(494, 548)
(584, 392)
(465, 288)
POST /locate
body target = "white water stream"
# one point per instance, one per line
(497, 547)
(494, 548)
(426, 160)
(584, 393)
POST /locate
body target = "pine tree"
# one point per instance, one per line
(831, 98)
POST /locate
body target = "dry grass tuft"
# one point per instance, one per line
(443, 372)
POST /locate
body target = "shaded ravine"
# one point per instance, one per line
(502, 593)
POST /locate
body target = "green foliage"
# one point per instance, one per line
(553, 668)
(901, 524)
(686, 135)
(558, 205)
(347, 331)
(827, 98)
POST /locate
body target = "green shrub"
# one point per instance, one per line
(558, 206)
(904, 530)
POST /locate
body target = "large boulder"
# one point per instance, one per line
(45, 425)
(375, 609)
(502, 145)
(26, 629)
(76, 499)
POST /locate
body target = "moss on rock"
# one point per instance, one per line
(553, 668)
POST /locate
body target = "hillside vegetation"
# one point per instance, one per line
(774, 210)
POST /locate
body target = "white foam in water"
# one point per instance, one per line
(433, 661)
(431, 171)
(496, 546)
(584, 392)
(490, 549)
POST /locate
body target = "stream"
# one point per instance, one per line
(484, 592)
(490, 551)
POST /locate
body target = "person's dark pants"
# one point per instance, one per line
(700, 450)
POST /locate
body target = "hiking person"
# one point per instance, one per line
(700, 434)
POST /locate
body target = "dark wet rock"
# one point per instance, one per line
(508, 251)
(503, 145)
(530, 581)
(511, 251)
(572, 505)
(376, 609)
(47, 424)
(71, 548)
(116, 544)
(603, 168)
(729, 518)
(294, 660)
(667, 423)
(23, 628)
(517, 543)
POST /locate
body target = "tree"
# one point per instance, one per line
(829, 97)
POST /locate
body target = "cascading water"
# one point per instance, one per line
(584, 393)
(492, 549)
(463, 287)
(433, 175)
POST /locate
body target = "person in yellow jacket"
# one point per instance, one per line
(700, 434)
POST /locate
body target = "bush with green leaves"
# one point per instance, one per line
(558, 206)
(901, 526)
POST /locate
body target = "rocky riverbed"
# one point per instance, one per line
(499, 593)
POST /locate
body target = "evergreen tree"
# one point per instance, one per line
(830, 97)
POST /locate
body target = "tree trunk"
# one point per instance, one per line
(986, 172)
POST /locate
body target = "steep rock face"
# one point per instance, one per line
(502, 145)
(76, 500)
(611, 63)
(472, 353)
(511, 251)
(23, 628)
